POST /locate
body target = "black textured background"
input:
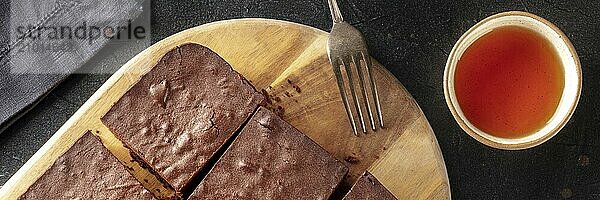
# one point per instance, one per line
(412, 39)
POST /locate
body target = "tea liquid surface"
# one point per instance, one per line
(508, 83)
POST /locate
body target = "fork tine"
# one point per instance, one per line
(340, 82)
(361, 81)
(352, 91)
(368, 63)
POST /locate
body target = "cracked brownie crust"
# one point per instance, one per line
(270, 159)
(182, 111)
(368, 187)
(87, 171)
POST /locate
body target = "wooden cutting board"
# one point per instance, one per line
(289, 61)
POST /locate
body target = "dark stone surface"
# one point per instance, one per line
(412, 39)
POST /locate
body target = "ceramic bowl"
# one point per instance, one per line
(571, 68)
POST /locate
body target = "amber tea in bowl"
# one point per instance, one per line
(512, 81)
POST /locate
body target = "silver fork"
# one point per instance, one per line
(346, 48)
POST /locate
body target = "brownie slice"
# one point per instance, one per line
(368, 187)
(270, 159)
(182, 111)
(87, 171)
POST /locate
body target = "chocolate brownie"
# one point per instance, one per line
(270, 159)
(368, 187)
(182, 111)
(86, 171)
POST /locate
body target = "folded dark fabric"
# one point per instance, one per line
(42, 42)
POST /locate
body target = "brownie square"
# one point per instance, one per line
(87, 171)
(182, 111)
(270, 159)
(368, 187)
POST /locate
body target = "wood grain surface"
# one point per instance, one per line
(288, 61)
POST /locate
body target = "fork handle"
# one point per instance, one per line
(336, 15)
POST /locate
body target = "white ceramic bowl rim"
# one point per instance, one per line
(571, 68)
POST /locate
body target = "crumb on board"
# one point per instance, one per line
(352, 159)
(298, 90)
(267, 96)
(279, 111)
(276, 98)
(294, 85)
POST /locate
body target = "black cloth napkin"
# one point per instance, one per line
(45, 41)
